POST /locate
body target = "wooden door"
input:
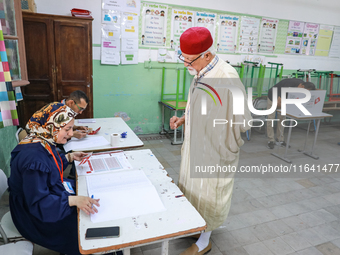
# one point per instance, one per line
(40, 57)
(73, 51)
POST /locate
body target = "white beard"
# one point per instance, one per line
(192, 71)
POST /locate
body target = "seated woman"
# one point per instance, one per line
(42, 203)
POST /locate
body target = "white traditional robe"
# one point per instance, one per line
(212, 196)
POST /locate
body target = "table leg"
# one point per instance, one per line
(314, 142)
(175, 131)
(126, 251)
(165, 248)
(304, 148)
(162, 131)
(284, 158)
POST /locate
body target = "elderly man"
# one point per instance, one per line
(78, 102)
(204, 142)
(286, 83)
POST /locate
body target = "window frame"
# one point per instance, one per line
(21, 45)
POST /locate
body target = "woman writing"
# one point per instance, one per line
(43, 204)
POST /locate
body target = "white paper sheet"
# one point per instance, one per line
(123, 194)
(103, 163)
(85, 143)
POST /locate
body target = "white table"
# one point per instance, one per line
(318, 117)
(180, 218)
(109, 126)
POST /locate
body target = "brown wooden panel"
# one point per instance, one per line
(40, 59)
(73, 47)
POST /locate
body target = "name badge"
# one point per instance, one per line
(68, 187)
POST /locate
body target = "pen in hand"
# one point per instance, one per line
(92, 204)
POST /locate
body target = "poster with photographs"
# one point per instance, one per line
(154, 25)
(268, 33)
(324, 40)
(181, 20)
(249, 35)
(335, 46)
(310, 38)
(207, 20)
(227, 33)
(294, 37)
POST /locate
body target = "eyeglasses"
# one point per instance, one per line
(180, 57)
(80, 108)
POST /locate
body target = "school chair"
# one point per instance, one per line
(8, 232)
(21, 247)
(20, 134)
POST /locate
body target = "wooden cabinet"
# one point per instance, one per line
(59, 61)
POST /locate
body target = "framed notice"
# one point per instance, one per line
(227, 33)
(249, 35)
(324, 41)
(294, 37)
(310, 39)
(268, 35)
(154, 25)
(335, 46)
(181, 20)
(207, 20)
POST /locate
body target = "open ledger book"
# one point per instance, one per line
(123, 194)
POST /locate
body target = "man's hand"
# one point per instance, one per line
(82, 128)
(79, 134)
(176, 122)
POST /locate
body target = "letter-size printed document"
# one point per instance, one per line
(123, 194)
(103, 162)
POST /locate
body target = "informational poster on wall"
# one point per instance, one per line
(110, 57)
(249, 35)
(110, 44)
(129, 57)
(324, 40)
(111, 17)
(181, 20)
(129, 25)
(122, 5)
(207, 20)
(129, 44)
(154, 24)
(268, 33)
(129, 30)
(227, 33)
(335, 46)
(294, 37)
(310, 39)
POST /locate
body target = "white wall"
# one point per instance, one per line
(318, 11)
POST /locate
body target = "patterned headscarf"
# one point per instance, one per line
(44, 125)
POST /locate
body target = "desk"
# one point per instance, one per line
(109, 126)
(180, 218)
(318, 118)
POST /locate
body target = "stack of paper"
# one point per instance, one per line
(85, 143)
(123, 194)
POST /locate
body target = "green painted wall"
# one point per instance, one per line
(134, 90)
(7, 144)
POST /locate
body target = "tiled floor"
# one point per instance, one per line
(297, 215)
